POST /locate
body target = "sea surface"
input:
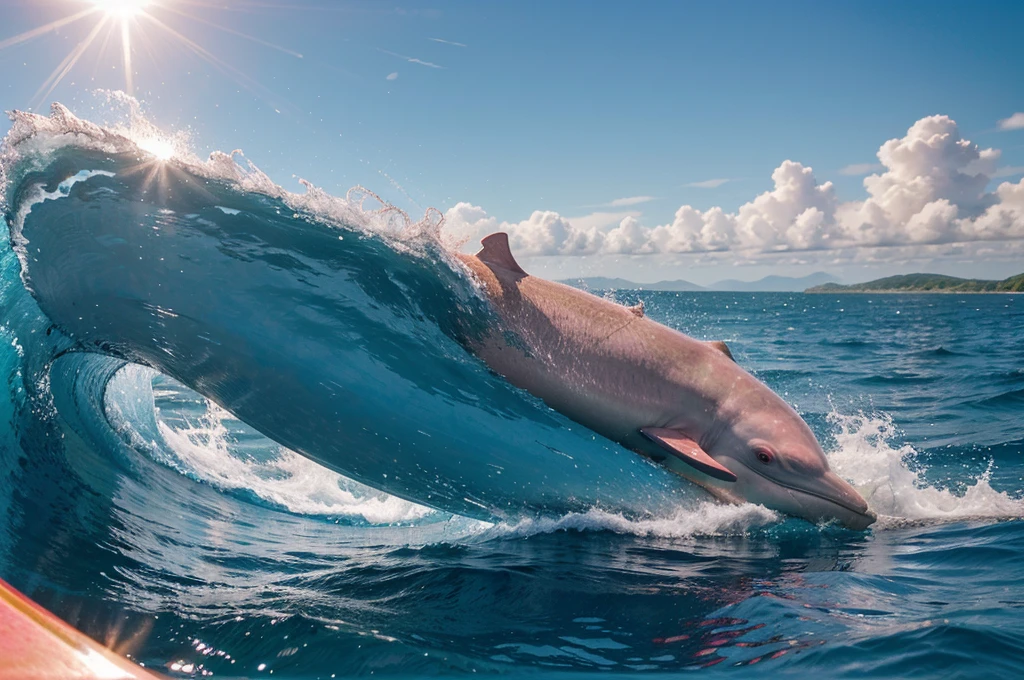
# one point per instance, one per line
(158, 321)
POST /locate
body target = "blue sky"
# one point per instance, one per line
(569, 107)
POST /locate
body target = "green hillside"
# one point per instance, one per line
(1014, 284)
(926, 283)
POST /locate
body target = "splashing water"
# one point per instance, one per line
(869, 457)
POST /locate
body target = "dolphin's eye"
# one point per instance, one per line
(764, 455)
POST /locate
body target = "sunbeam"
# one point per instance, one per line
(125, 17)
(200, 51)
(232, 31)
(65, 66)
(126, 47)
(43, 30)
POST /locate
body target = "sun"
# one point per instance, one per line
(120, 9)
(140, 22)
(161, 149)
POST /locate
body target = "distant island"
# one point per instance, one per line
(768, 284)
(926, 283)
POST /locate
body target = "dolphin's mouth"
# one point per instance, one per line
(862, 517)
(842, 496)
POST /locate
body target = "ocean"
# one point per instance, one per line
(191, 356)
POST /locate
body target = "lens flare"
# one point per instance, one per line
(161, 149)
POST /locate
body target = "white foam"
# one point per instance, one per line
(202, 450)
(706, 518)
(880, 471)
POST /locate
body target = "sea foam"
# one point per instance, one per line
(203, 450)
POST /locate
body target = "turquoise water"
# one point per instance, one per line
(511, 542)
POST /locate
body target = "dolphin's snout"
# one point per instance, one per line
(828, 498)
(845, 494)
(861, 522)
(839, 491)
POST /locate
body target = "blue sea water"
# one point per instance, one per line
(157, 322)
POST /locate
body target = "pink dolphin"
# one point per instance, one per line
(680, 401)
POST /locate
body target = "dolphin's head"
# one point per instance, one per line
(778, 463)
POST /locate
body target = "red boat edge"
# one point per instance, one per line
(36, 645)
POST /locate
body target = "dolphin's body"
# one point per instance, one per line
(656, 391)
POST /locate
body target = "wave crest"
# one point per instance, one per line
(37, 136)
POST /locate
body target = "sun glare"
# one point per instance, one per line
(161, 149)
(137, 22)
(121, 9)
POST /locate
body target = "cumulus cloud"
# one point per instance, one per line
(393, 75)
(929, 189)
(628, 237)
(708, 183)
(858, 169)
(1014, 122)
(543, 233)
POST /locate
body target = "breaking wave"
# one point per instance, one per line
(239, 424)
(348, 308)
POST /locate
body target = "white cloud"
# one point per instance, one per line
(1014, 122)
(930, 173)
(930, 190)
(393, 76)
(629, 238)
(411, 60)
(857, 169)
(448, 42)
(632, 200)
(708, 183)
(543, 233)
(602, 219)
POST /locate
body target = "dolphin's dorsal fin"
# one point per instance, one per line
(721, 347)
(637, 309)
(496, 251)
(688, 451)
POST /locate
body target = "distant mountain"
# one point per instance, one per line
(926, 283)
(769, 284)
(606, 283)
(776, 284)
